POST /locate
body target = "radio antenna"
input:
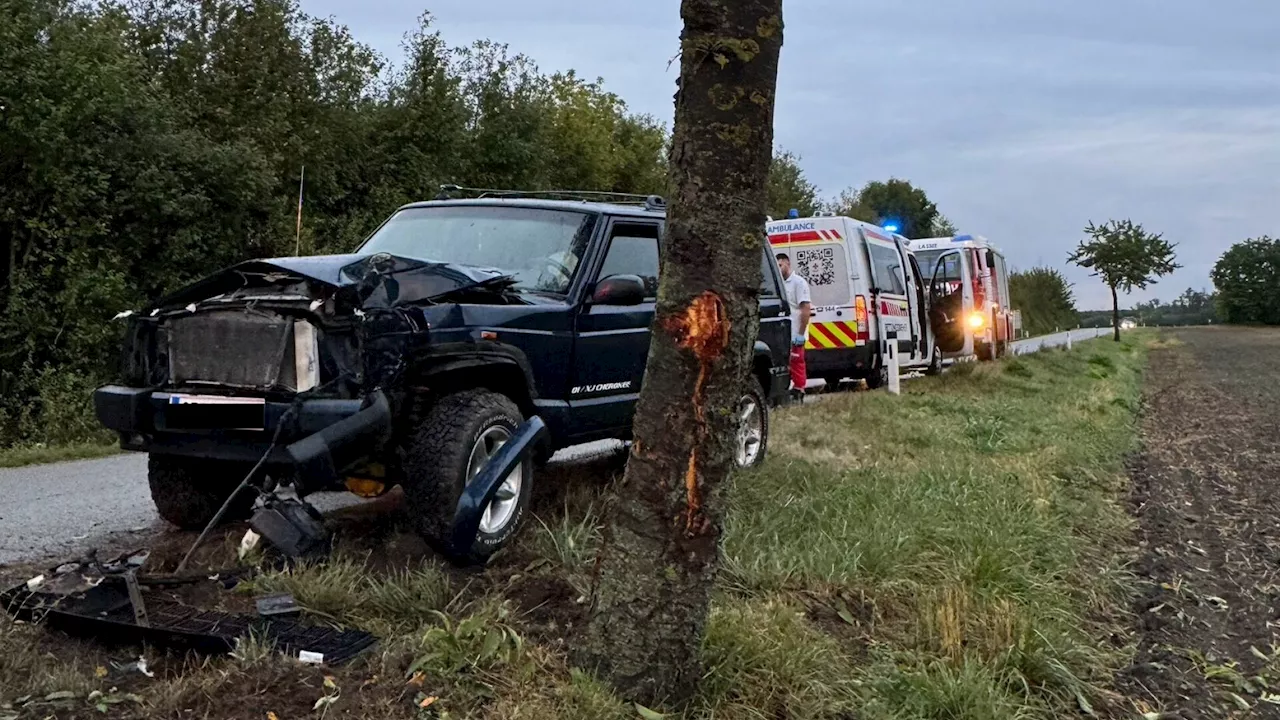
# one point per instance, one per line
(297, 240)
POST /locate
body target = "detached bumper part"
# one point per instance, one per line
(334, 433)
(140, 410)
(123, 409)
(480, 491)
(320, 457)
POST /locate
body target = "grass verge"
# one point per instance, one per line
(40, 454)
(954, 552)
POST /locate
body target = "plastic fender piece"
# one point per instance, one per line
(479, 493)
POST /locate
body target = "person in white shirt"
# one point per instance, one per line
(797, 290)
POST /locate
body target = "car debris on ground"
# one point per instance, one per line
(109, 602)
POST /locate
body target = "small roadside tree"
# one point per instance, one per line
(1125, 256)
(656, 567)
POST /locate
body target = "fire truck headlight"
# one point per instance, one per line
(977, 320)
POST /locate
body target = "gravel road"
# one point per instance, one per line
(54, 510)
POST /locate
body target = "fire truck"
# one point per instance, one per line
(969, 296)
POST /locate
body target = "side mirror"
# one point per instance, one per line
(619, 290)
(991, 258)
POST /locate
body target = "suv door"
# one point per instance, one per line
(775, 321)
(612, 341)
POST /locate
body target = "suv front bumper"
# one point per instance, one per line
(318, 441)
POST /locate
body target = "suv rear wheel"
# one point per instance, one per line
(753, 426)
(189, 491)
(450, 444)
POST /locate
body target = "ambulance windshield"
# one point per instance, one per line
(927, 260)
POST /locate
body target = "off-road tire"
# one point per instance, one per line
(935, 362)
(433, 464)
(188, 492)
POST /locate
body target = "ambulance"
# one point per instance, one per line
(968, 296)
(867, 291)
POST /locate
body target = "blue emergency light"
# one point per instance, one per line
(891, 227)
(793, 213)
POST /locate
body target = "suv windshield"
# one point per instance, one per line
(540, 248)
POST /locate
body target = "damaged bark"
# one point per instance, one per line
(658, 563)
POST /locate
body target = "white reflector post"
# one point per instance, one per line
(1068, 339)
(895, 380)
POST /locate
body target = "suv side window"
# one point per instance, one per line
(769, 283)
(633, 250)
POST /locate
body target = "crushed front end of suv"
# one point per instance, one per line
(410, 362)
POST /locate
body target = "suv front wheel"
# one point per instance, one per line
(449, 445)
(188, 492)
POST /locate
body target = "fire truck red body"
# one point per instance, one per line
(969, 295)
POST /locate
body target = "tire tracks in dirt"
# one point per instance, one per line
(1204, 496)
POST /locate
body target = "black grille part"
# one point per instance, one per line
(105, 614)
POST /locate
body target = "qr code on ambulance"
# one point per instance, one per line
(818, 266)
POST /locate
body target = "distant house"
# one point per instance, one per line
(1128, 323)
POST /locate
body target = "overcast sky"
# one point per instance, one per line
(1022, 119)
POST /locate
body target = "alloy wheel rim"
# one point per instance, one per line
(750, 431)
(499, 512)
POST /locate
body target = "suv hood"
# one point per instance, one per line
(368, 281)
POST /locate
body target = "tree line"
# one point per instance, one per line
(1192, 307)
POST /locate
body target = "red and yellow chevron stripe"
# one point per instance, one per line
(832, 335)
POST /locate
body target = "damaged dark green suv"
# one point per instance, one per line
(412, 361)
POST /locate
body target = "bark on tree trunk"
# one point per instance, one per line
(655, 571)
(1115, 313)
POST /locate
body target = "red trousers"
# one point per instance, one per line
(799, 376)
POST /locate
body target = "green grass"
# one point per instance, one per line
(343, 591)
(40, 454)
(955, 553)
(978, 515)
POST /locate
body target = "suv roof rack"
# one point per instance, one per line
(648, 202)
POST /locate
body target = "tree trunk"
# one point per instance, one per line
(1115, 313)
(654, 574)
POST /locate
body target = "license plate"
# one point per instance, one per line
(215, 412)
